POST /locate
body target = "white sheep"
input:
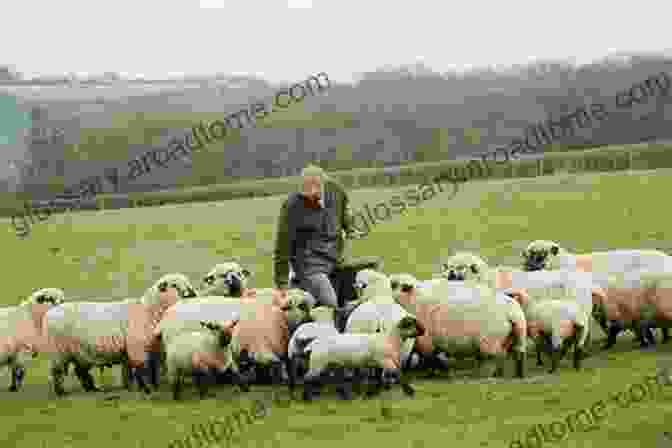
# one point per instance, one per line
(305, 334)
(375, 293)
(549, 255)
(94, 333)
(20, 330)
(379, 351)
(196, 353)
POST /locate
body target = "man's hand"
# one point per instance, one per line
(354, 234)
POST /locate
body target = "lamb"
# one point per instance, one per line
(20, 331)
(549, 255)
(375, 302)
(377, 351)
(93, 333)
(303, 335)
(261, 338)
(466, 320)
(196, 353)
(185, 316)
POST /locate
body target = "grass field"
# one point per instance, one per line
(117, 253)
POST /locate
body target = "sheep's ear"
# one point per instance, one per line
(474, 268)
(209, 325)
(555, 250)
(163, 286)
(246, 273)
(444, 266)
(406, 322)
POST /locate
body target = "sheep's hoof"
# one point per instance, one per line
(408, 390)
(60, 392)
(344, 393)
(13, 388)
(578, 358)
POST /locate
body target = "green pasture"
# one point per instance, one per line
(114, 254)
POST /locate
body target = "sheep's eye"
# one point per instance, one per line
(406, 288)
(474, 269)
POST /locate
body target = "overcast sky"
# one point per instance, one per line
(288, 40)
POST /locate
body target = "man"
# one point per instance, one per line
(310, 237)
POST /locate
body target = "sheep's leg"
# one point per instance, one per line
(18, 374)
(580, 340)
(127, 375)
(344, 388)
(378, 386)
(666, 334)
(276, 372)
(291, 373)
(139, 377)
(357, 376)
(554, 347)
(539, 345)
(312, 383)
(177, 386)
(153, 367)
(615, 327)
(57, 371)
(85, 378)
(201, 378)
(238, 379)
(520, 358)
(405, 383)
(646, 337)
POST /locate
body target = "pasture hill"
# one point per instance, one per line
(114, 254)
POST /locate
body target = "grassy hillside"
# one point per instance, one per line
(117, 253)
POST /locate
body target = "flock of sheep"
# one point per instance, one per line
(231, 333)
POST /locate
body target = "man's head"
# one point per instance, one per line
(313, 184)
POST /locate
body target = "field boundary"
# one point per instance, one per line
(642, 156)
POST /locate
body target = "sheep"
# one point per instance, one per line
(639, 298)
(465, 320)
(549, 255)
(20, 331)
(185, 316)
(226, 279)
(303, 335)
(469, 267)
(375, 302)
(93, 333)
(573, 289)
(262, 336)
(197, 352)
(378, 351)
(555, 324)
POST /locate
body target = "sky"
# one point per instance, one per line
(289, 40)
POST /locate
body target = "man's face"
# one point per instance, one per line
(312, 186)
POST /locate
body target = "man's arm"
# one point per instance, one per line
(346, 217)
(284, 241)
